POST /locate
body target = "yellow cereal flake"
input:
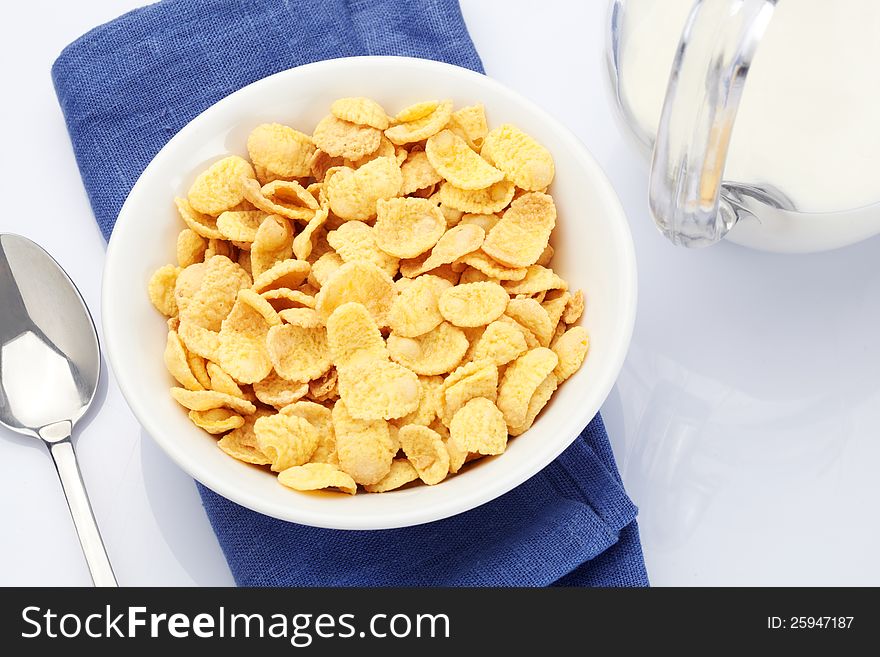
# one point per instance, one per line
(500, 343)
(321, 419)
(421, 128)
(479, 427)
(415, 310)
(361, 111)
(286, 439)
(288, 273)
(216, 420)
(221, 186)
(402, 472)
(286, 198)
(279, 392)
(453, 159)
(304, 242)
(353, 194)
(177, 364)
(545, 257)
(539, 399)
(532, 315)
(323, 267)
(339, 138)
(364, 447)
(523, 232)
(222, 382)
(555, 306)
(473, 304)
(538, 279)
(520, 380)
(161, 289)
(426, 452)
(242, 351)
(417, 173)
(361, 282)
(377, 389)
(325, 387)
(205, 295)
(455, 243)
(436, 352)
(523, 160)
(273, 242)
(406, 227)
(571, 348)
(472, 121)
(241, 443)
(575, 308)
(201, 224)
(352, 335)
(492, 199)
(474, 379)
(304, 317)
(205, 400)
(417, 111)
(199, 341)
(284, 298)
(429, 402)
(484, 221)
(280, 151)
(355, 241)
(386, 149)
(220, 247)
(321, 163)
(480, 261)
(315, 476)
(190, 247)
(298, 354)
(240, 226)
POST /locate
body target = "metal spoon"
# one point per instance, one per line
(50, 362)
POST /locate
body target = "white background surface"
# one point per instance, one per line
(745, 421)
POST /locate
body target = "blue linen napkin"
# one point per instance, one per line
(128, 86)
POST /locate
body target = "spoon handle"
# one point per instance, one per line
(81, 510)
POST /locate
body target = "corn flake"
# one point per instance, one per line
(436, 352)
(473, 304)
(520, 381)
(298, 354)
(221, 186)
(407, 227)
(280, 151)
(364, 447)
(426, 452)
(285, 439)
(377, 389)
(161, 289)
(402, 472)
(420, 128)
(415, 310)
(315, 476)
(190, 248)
(417, 173)
(523, 232)
(361, 282)
(492, 199)
(479, 427)
(523, 160)
(216, 420)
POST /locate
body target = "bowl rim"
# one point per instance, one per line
(413, 515)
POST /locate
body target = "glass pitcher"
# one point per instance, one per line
(762, 117)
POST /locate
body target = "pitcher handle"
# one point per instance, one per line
(705, 87)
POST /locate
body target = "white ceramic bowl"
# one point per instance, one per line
(593, 245)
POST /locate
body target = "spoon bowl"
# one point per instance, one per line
(50, 364)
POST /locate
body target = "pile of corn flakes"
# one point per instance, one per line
(372, 304)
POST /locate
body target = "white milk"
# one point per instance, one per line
(809, 121)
